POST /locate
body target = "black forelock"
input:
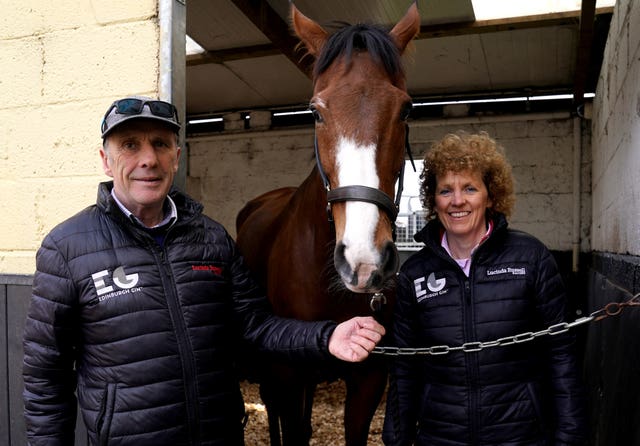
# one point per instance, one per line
(360, 37)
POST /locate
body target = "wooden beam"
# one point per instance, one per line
(284, 42)
(583, 53)
(226, 55)
(507, 24)
(276, 29)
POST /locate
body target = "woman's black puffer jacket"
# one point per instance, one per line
(150, 330)
(521, 394)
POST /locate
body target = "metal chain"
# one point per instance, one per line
(610, 309)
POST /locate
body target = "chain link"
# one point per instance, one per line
(610, 309)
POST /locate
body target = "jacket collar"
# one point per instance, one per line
(187, 207)
(431, 234)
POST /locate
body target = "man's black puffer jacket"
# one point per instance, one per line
(522, 394)
(151, 329)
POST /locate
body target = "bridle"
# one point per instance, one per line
(365, 193)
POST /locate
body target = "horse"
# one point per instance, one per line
(325, 249)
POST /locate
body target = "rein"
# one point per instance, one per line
(364, 193)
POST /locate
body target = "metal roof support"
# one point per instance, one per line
(577, 193)
(172, 17)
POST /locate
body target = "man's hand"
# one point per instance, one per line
(354, 339)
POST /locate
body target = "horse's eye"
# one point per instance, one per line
(316, 114)
(406, 111)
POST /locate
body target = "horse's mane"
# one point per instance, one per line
(360, 37)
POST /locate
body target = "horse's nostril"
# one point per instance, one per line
(340, 262)
(390, 259)
(376, 280)
(365, 275)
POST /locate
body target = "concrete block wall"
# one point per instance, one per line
(540, 150)
(614, 274)
(616, 137)
(63, 63)
(227, 170)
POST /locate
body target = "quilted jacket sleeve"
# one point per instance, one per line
(568, 394)
(289, 338)
(49, 346)
(402, 405)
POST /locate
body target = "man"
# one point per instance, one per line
(146, 296)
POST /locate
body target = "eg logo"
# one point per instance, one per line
(119, 278)
(434, 284)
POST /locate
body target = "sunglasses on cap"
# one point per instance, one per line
(133, 106)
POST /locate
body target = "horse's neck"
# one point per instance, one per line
(309, 205)
(312, 195)
(303, 246)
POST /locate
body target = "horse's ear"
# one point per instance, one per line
(308, 31)
(407, 28)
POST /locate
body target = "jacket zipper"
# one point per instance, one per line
(184, 344)
(471, 359)
(471, 335)
(105, 415)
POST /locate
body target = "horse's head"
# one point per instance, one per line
(360, 105)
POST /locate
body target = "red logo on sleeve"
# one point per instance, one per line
(214, 269)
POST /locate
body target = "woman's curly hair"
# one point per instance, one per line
(459, 152)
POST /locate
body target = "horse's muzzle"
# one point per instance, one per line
(366, 276)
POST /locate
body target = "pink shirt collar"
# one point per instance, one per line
(465, 264)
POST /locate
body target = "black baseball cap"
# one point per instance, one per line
(139, 107)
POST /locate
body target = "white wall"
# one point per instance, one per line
(616, 137)
(540, 150)
(63, 62)
(227, 170)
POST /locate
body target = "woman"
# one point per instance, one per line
(476, 280)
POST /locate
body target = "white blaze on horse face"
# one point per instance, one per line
(357, 166)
